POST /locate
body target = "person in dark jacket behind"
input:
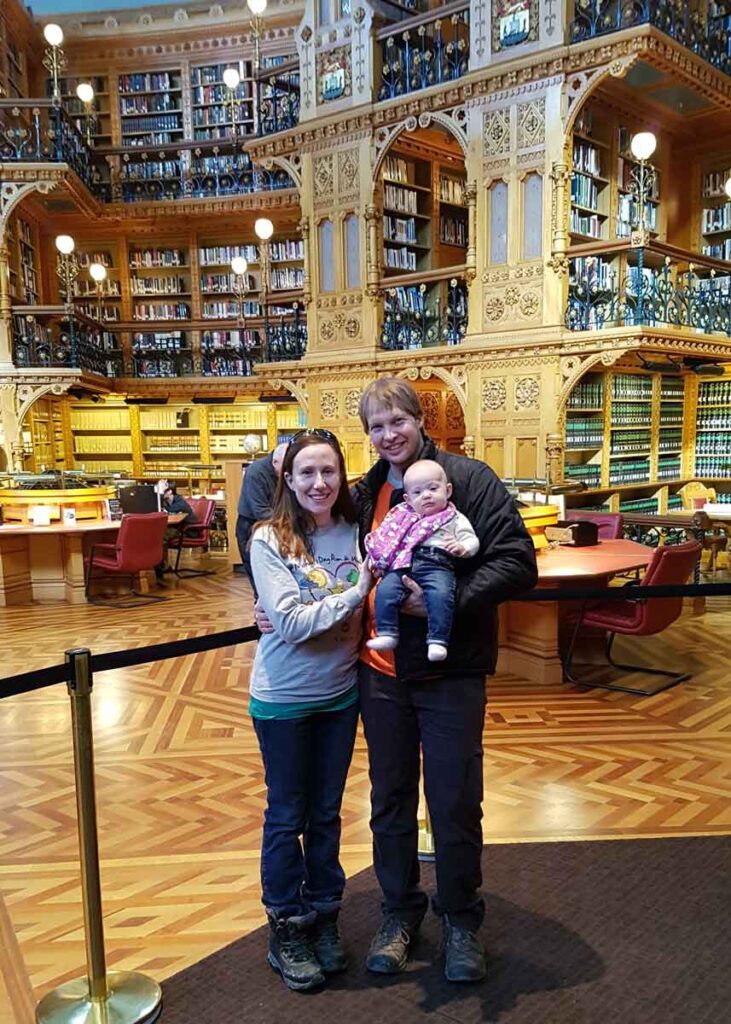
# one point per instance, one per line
(256, 500)
(411, 706)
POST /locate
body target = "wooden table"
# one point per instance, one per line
(46, 563)
(530, 631)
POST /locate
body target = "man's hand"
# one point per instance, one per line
(453, 547)
(414, 603)
(262, 621)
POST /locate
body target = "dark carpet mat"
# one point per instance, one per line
(614, 932)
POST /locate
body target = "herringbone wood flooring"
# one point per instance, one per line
(181, 794)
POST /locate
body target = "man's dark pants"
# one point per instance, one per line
(445, 717)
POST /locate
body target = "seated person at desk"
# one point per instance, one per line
(173, 504)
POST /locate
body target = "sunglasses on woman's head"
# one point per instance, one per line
(326, 435)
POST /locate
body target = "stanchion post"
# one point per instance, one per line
(426, 851)
(121, 997)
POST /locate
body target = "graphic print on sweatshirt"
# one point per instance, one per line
(329, 575)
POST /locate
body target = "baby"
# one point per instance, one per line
(420, 538)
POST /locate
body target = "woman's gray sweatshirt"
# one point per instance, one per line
(313, 652)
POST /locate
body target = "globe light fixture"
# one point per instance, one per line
(239, 266)
(257, 8)
(643, 145)
(53, 34)
(231, 78)
(264, 229)
(85, 92)
(727, 187)
(65, 244)
(98, 272)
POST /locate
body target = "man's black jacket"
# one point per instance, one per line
(504, 566)
(257, 496)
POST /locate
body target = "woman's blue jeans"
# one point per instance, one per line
(306, 763)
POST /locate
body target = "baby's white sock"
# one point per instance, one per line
(382, 643)
(436, 652)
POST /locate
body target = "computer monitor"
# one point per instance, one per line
(140, 498)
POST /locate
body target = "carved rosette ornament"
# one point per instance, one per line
(329, 405)
(352, 404)
(527, 393)
(494, 395)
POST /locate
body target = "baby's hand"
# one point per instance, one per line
(453, 547)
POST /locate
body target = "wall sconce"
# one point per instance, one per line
(54, 59)
(67, 266)
(98, 274)
(257, 8)
(232, 79)
(239, 266)
(85, 92)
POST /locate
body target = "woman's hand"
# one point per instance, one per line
(365, 579)
(262, 621)
(414, 603)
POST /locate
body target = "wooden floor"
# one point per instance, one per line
(181, 795)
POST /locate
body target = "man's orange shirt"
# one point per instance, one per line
(381, 661)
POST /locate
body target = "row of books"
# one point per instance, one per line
(175, 340)
(211, 74)
(151, 170)
(395, 168)
(84, 259)
(714, 182)
(591, 271)
(453, 231)
(161, 311)
(230, 310)
(159, 285)
(155, 103)
(153, 123)
(586, 158)
(153, 81)
(286, 278)
(215, 255)
(87, 289)
(717, 218)
(139, 140)
(586, 224)
(400, 199)
(229, 340)
(212, 284)
(156, 258)
(719, 251)
(451, 190)
(400, 259)
(217, 115)
(585, 191)
(399, 229)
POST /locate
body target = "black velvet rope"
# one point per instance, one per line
(27, 682)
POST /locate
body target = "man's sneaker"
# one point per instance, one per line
(290, 953)
(464, 955)
(389, 952)
(327, 943)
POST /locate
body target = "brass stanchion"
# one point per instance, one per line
(120, 997)
(425, 850)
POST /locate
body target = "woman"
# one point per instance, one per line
(311, 584)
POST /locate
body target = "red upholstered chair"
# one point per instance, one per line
(638, 616)
(611, 524)
(138, 547)
(195, 534)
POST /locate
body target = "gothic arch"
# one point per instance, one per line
(28, 394)
(11, 193)
(579, 87)
(296, 388)
(573, 369)
(453, 121)
(456, 381)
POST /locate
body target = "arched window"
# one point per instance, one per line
(352, 251)
(327, 256)
(532, 217)
(499, 222)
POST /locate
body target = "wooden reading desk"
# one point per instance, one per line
(46, 563)
(530, 630)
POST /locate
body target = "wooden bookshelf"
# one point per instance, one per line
(211, 105)
(151, 108)
(102, 121)
(715, 229)
(160, 284)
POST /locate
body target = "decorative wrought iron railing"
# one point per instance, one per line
(152, 362)
(694, 297)
(37, 130)
(704, 26)
(286, 336)
(278, 98)
(197, 173)
(426, 50)
(55, 339)
(415, 319)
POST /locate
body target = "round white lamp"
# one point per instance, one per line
(98, 272)
(231, 78)
(256, 7)
(239, 266)
(264, 229)
(65, 244)
(53, 34)
(643, 145)
(85, 92)
(727, 187)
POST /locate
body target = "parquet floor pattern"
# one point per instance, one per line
(181, 794)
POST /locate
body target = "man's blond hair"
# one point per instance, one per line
(389, 393)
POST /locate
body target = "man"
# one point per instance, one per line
(172, 503)
(410, 705)
(256, 499)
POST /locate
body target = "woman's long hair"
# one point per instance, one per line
(292, 524)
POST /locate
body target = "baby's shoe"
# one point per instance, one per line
(383, 643)
(436, 652)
